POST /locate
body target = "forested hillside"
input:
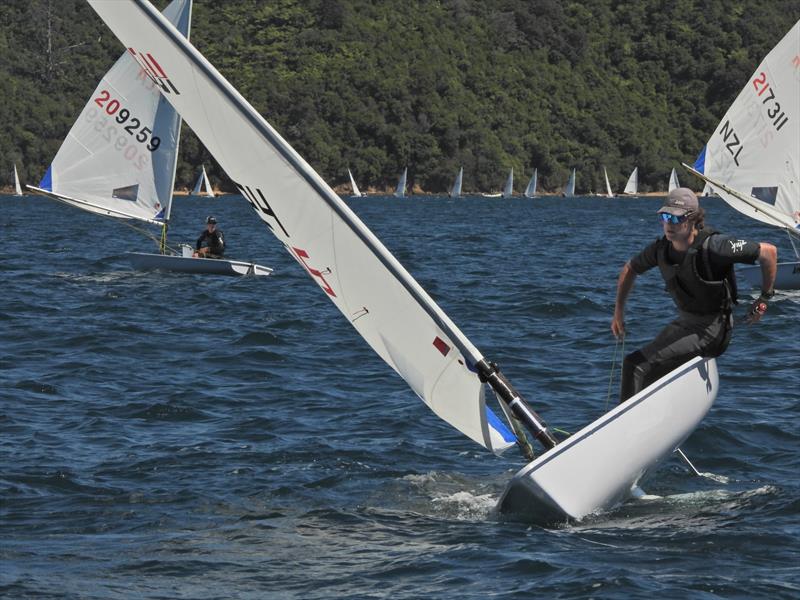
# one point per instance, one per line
(377, 85)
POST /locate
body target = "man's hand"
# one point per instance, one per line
(618, 325)
(757, 310)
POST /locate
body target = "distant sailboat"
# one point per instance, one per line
(400, 192)
(17, 188)
(508, 188)
(455, 192)
(119, 158)
(632, 187)
(673, 181)
(609, 193)
(530, 190)
(202, 181)
(356, 192)
(569, 191)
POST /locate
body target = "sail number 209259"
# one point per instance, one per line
(113, 108)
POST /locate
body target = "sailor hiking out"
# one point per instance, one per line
(211, 243)
(696, 263)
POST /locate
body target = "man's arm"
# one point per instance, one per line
(200, 240)
(624, 285)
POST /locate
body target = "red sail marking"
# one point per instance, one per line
(441, 346)
(301, 255)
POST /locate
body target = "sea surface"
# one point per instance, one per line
(180, 436)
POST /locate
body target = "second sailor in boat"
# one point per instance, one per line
(696, 263)
(211, 243)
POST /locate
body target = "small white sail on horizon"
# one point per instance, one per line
(609, 193)
(632, 186)
(400, 191)
(455, 191)
(356, 192)
(569, 191)
(17, 187)
(508, 188)
(203, 182)
(530, 189)
(673, 181)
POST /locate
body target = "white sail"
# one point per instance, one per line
(400, 192)
(609, 193)
(119, 157)
(673, 181)
(359, 275)
(530, 189)
(455, 192)
(202, 183)
(508, 188)
(17, 187)
(755, 150)
(632, 187)
(569, 191)
(356, 192)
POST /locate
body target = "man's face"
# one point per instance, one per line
(678, 232)
(211, 227)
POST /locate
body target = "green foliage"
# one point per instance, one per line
(432, 85)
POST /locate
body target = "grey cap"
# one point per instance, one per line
(681, 201)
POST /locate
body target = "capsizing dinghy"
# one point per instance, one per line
(396, 316)
(119, 158)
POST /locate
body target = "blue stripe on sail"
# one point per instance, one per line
(47, 181)
(160, 214)
(499, 426)
(700, 163)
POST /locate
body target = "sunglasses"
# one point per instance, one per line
(674, 219)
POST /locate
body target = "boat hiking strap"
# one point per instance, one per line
(613, 365)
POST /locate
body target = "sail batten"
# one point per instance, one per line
(382, 301)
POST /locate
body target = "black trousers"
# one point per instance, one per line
(686, 337)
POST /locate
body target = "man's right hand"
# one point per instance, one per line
(618, 325)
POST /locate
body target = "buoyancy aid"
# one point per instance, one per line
(691, 283)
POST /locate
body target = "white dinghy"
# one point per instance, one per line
(455, 191)
(381, 300)
(356, 192)
(569, 191)
(119, 158)
(673, 181)
(203, 183)
(17, 187)
(400, 190)
(609, 193)
(752, 160)
(530, 189)
(508, 188)
(632, 186)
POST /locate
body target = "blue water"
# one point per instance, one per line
(180, 436)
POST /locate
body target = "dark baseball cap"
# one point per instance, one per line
(681, 201)
(211, 220)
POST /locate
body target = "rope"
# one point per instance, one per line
(613, 366)
(150, 236)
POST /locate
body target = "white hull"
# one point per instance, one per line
(595, 469)
(787, 277)
(206, 266)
